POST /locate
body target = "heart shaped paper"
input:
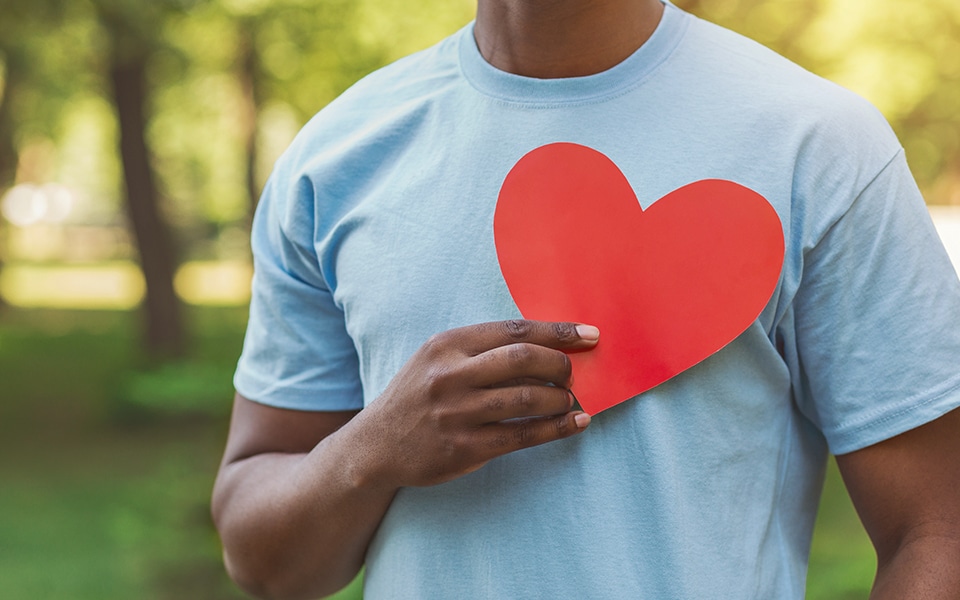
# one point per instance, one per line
(667, 286)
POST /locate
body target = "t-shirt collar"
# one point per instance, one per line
(491, 81)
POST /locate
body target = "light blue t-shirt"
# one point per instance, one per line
(375, 232)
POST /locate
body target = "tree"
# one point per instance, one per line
(305, 53)
(13, 69)
(130, 28)
(313, 54)
(249, 74)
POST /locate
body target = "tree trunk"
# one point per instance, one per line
(164, 326)
(8, 151)
(248, 74)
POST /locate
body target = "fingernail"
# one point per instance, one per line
(582, 420)
(588, 332)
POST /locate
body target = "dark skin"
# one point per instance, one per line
(907, 493)
(549, 39)
(300, 495)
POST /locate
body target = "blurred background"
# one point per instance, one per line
(134, 140)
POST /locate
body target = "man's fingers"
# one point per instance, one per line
(518, 361)
(499, 404)
(519, 381)
(476, 339)
(504, 437)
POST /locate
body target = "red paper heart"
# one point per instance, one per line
(667, 286)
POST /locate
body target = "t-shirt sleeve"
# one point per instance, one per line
(296, 353)
(878, 318)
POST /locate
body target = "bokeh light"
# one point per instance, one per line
(27, 204)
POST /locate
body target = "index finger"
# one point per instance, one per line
(477, 339)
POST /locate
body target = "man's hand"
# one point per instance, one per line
(300, 494)
(471, 394)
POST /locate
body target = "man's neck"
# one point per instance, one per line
(548, 39)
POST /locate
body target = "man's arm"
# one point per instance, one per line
(300, 495)
(907, 493)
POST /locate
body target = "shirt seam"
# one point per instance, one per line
(827, 230)
(880, 417)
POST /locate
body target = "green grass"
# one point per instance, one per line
(842, 561)
(106, 465)
(94, 503)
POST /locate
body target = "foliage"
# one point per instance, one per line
(900, 56)
(174, 389)
(305, 52)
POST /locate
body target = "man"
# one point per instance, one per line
(468, 473)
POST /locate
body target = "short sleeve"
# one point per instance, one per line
(878, 318)
(296, 353)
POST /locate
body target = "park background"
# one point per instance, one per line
(134, 139)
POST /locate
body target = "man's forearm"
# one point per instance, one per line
(926, 568)
(297, 525)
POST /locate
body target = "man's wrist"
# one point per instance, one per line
(363, 463)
